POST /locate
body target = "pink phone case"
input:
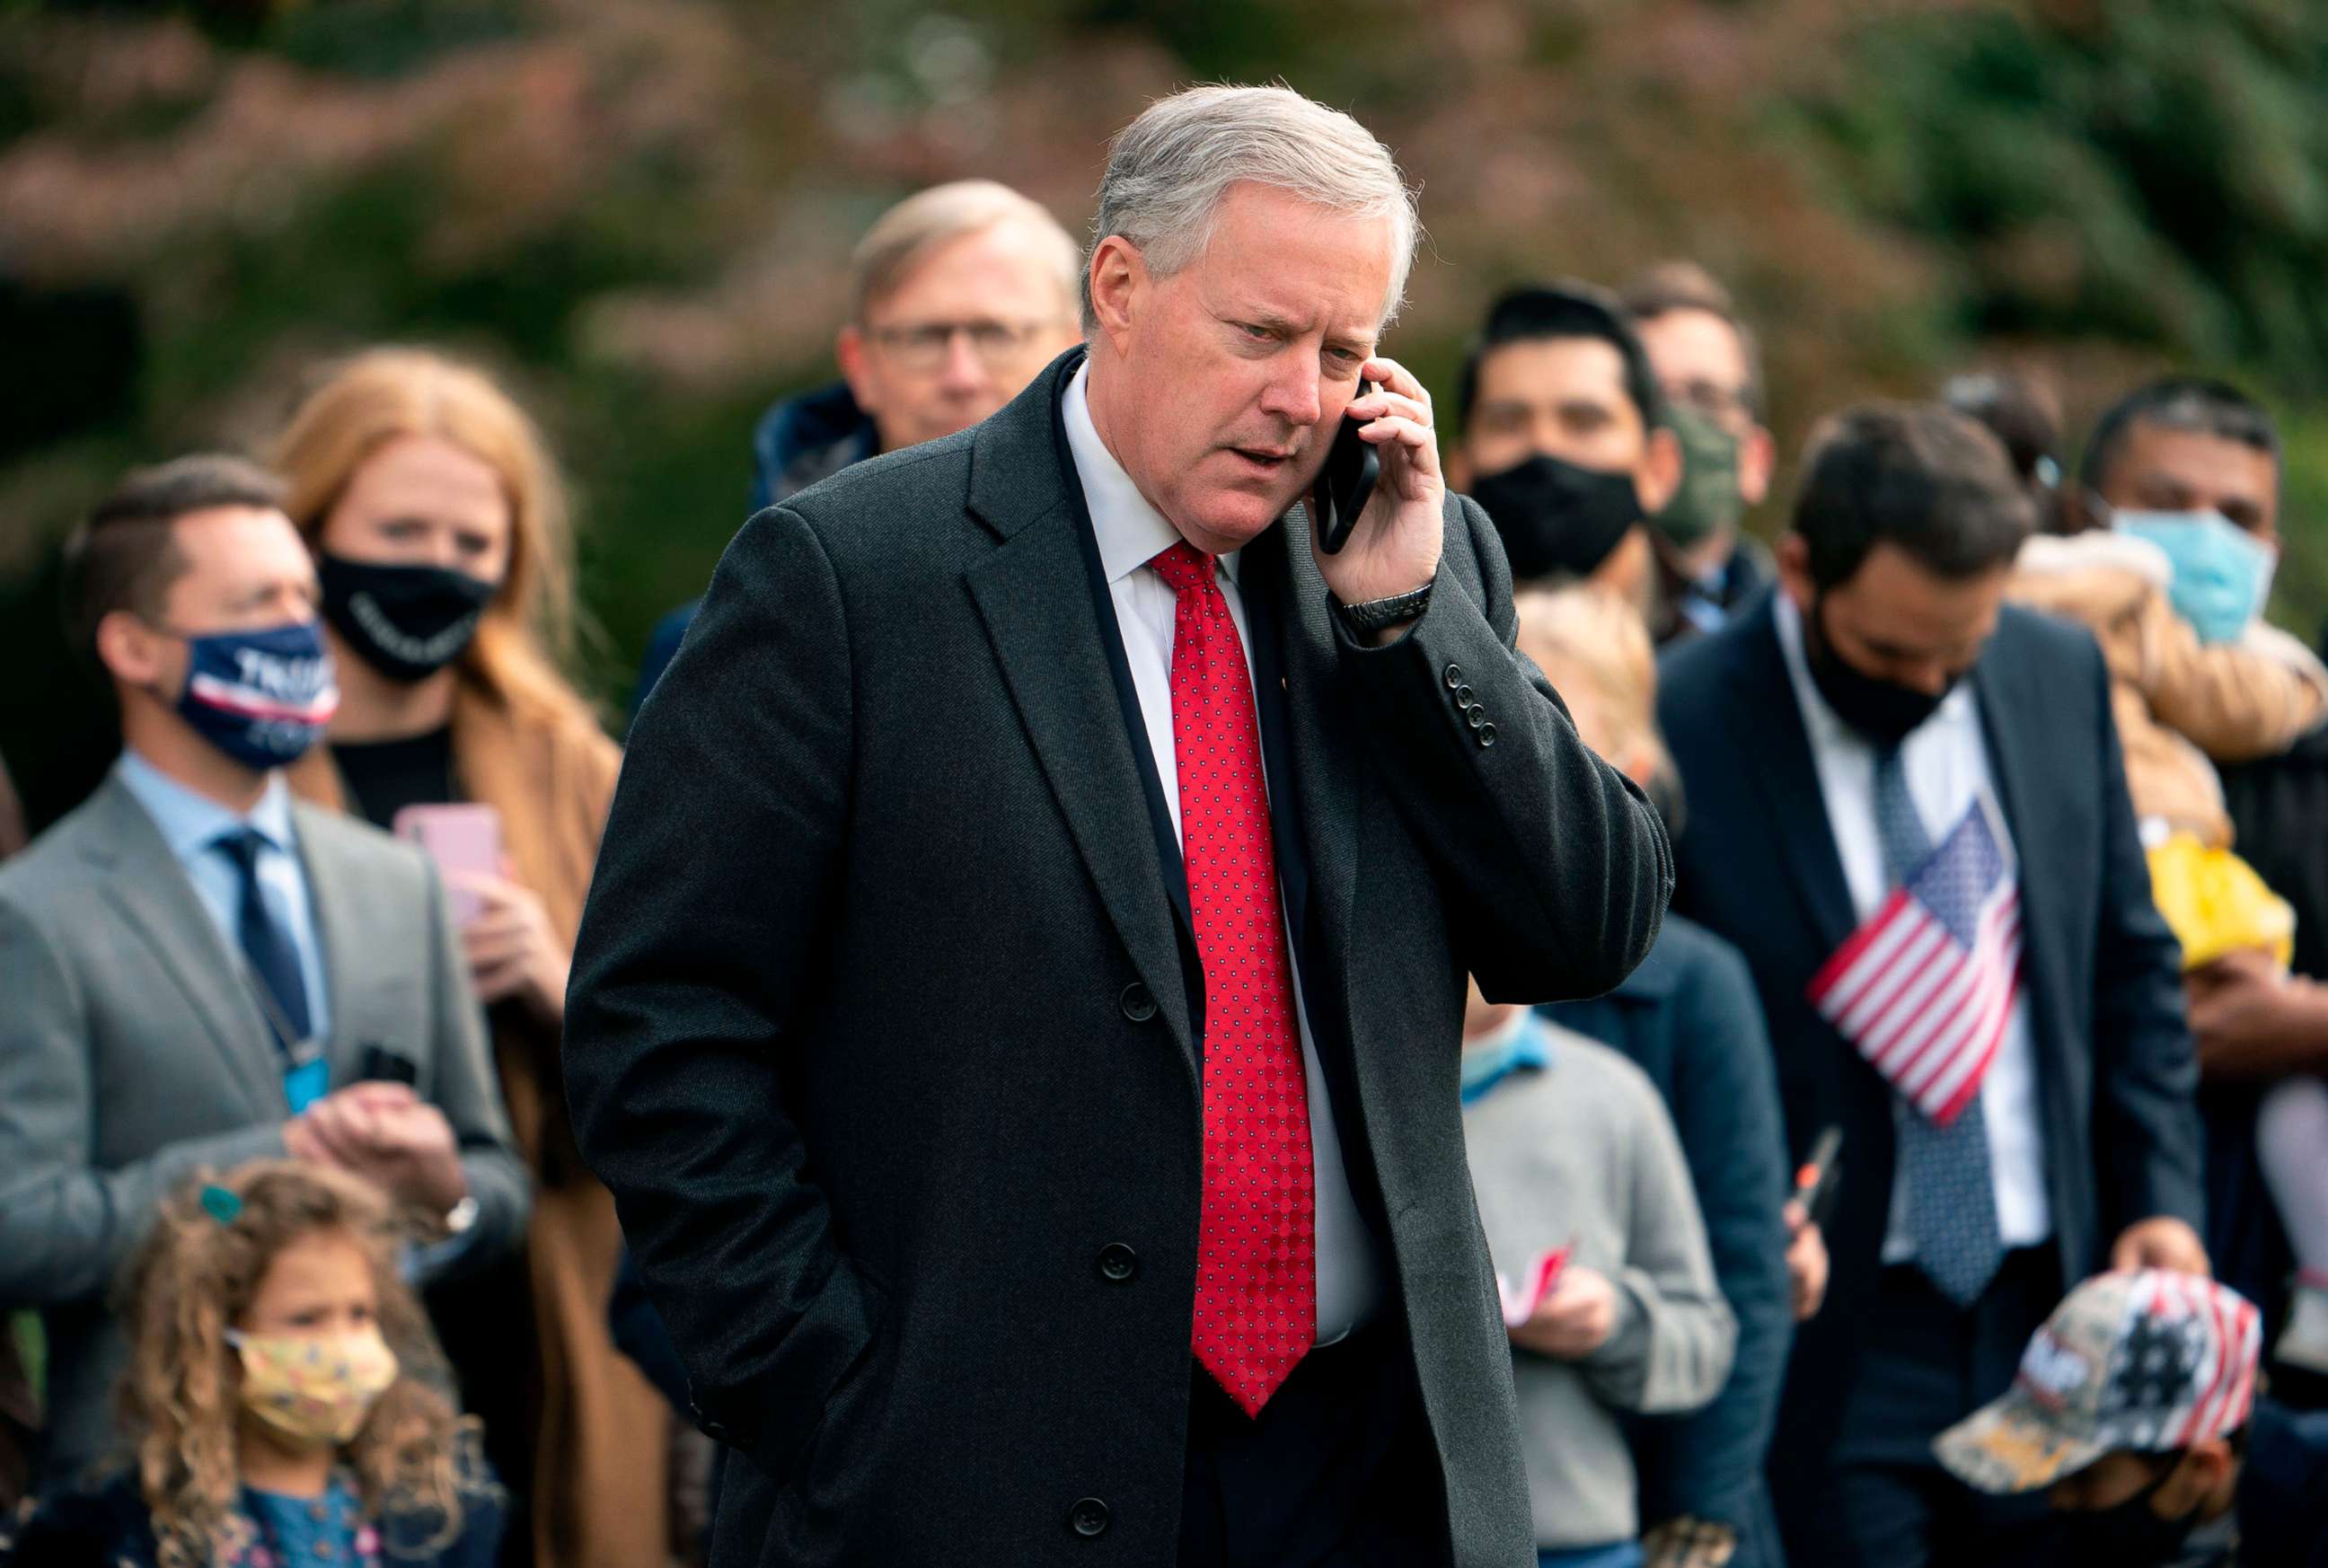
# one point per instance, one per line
(466, 839)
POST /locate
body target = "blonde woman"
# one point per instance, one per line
(446, 558)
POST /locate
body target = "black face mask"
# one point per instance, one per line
(2131, 1532)
(1884, 713)
(1554, 516)
(406, 622)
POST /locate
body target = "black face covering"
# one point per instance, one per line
(1884, 713)
(2131, 1532)
(406, 622)
(1556, 517)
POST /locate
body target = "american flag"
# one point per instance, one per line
(1925, 988)
(2204, 1385)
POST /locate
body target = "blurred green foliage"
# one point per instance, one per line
(636, 211)
(2150, 169)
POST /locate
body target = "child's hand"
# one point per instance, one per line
(1572, 1321)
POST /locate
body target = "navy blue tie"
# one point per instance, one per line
(266, 942)
(1951, 1195)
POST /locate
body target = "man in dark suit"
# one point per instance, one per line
(1042, 1143)
(1828, 740)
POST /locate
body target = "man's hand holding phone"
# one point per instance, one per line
(1395, 545)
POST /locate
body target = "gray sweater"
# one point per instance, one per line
(1582, 1150)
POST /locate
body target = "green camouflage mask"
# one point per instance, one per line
(1707, 500)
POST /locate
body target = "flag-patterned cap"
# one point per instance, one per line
(2152, 1361)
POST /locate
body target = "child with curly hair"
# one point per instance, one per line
(285, 1403)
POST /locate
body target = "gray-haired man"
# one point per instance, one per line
(1018, 1010)
(958, 295)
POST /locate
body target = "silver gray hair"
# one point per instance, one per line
(904, 236)
(1167, 171)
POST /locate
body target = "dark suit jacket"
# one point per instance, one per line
(1689, 1019)
(1758, 864)
(879, 1030)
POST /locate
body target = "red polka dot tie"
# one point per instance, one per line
(1256, 1261)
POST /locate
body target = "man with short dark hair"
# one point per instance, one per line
(2163, 447)
(1709, 365)
(200, 972)
(1565, 442)
(2195, 464)
(1908, 811)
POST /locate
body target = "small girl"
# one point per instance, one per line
(283, 1404)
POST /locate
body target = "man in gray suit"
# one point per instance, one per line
(1018, 1010)
(199, 972)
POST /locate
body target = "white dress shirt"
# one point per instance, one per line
(1946, 760)
(1130, 533)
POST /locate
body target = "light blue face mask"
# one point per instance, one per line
(2222, 573)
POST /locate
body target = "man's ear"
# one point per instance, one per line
(133, 652)
(1119, 279)
(1757, 455)
(1794, 560)
(1659, 474)
(848, 349)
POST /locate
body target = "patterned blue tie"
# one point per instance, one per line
(267, 940)
(1951, 1199)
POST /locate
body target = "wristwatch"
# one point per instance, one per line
(1364, 620)
(454, 1221)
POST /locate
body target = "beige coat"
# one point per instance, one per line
(2179, 702)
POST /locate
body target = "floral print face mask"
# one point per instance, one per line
(314, 1389)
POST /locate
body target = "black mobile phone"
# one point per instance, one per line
(1822, 1173)
(1348, 480)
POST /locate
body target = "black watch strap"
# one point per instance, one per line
(1381, 614)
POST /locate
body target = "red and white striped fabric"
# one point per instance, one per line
(246, 700)
(2147, 1362)
(1925, 988)
(2223, 1386)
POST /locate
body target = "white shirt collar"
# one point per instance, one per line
(1828, 732)
(1129, 531)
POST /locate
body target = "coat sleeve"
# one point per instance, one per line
(468, 1090)
(2235, 701)
(66, 1226)
(1725, 1106)
(1675, 1337)
(2146, 1133)
(716, 882)
(1557, 867)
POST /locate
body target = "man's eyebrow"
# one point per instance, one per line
(1283, 325)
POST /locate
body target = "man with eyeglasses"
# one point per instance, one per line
(1710, 368)
(959, 295)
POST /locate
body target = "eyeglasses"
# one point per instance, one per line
(1722, 405)
(925, 345)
